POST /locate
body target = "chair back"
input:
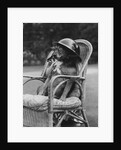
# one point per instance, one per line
(85, 53)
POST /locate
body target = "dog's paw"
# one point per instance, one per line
(62, 98)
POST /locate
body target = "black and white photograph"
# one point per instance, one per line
(60, 67)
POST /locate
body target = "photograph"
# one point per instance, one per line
(60, 74)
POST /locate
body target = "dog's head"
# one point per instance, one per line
(59, 52)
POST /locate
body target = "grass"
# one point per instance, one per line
(91, 101)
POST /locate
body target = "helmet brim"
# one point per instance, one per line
(63, 45)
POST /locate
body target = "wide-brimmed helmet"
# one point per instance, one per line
(70, 45)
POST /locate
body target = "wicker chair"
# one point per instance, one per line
(71, 108)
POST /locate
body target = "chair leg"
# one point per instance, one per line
(50, 119)
(85, 118)
(77, 117)
(60, 121)
(72, 114)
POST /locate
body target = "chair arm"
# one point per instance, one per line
(40, 78)
(51, 91)
(67, 77)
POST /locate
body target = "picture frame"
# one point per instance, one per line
(104, 17)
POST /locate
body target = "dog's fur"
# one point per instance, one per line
(61, 62)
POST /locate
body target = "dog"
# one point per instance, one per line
(61, 62)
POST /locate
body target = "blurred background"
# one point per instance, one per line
(37, 40)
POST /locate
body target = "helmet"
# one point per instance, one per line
(70, 45)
